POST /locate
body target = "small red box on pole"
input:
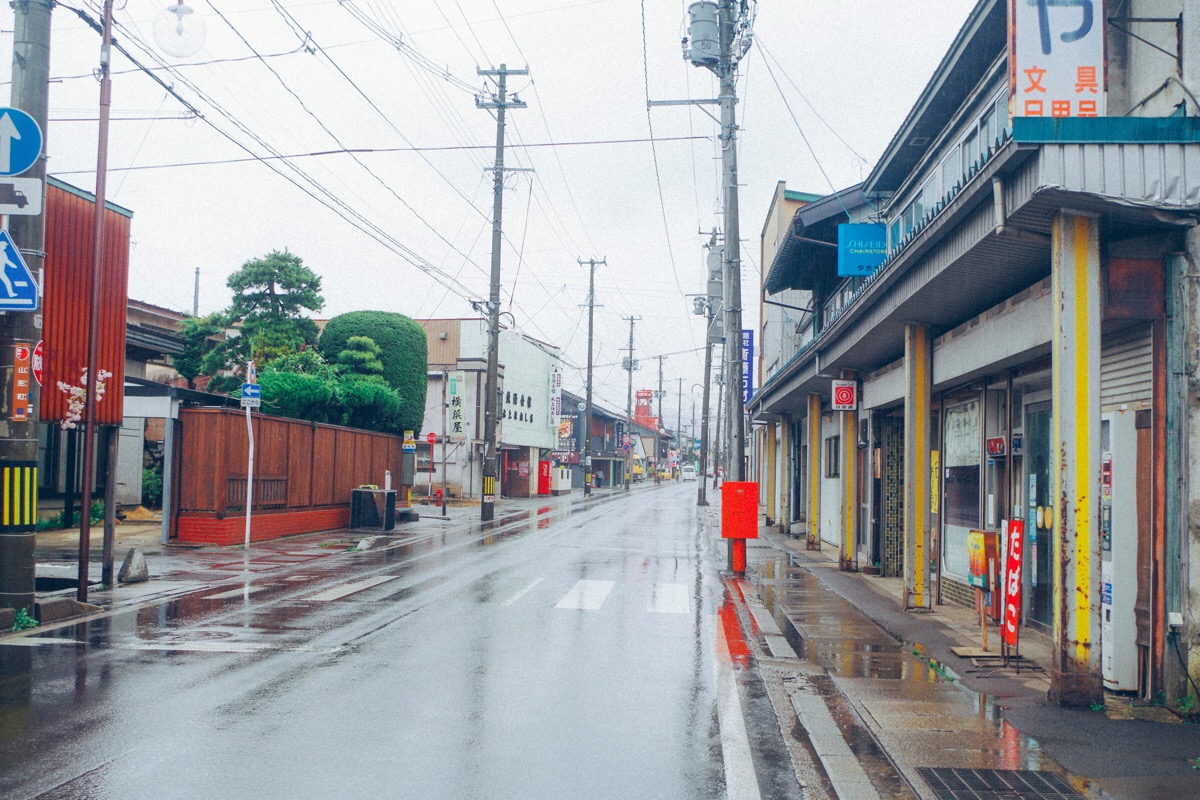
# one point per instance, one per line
(739, 510)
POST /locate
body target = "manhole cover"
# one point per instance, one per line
(996, 784)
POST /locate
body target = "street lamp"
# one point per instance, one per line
(179, 31)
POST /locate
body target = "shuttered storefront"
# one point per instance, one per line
(1126, 368)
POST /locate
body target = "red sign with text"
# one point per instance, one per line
(22, 356)
(1010, 627)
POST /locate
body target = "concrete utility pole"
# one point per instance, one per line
(660, 394)
(500, 102)
(679, 423)
(630, 365)
(19, 438)
(729, 16)
(587, 414)
(196, 295)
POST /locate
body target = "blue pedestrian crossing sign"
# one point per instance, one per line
(18, 289)
(20, 141)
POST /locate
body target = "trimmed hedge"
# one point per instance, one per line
(403, 352)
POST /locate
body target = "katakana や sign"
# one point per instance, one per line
(1056, 58)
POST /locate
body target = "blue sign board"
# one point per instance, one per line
(747, 365)
(862, 247)
(20, 141)
(251, 395)
(18, 289)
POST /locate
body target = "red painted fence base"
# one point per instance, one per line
(208, 529)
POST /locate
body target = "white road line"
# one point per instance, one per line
(348, 588)
(586, 595)
(240, 592)
(670, 598)
(741, 782)
(523, 592)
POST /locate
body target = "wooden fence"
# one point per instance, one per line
(303, 475)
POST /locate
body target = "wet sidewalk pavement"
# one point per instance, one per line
(893, 685)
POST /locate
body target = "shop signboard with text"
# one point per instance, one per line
(1057, 58)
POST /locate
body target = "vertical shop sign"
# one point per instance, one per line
(1056, 58)
(22, 371)
(1012, 582)
(747, 365)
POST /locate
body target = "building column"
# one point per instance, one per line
(918, 365)
(814, 471)
(785, 480)
(918, 392)
(849, 472)
(1076, 677)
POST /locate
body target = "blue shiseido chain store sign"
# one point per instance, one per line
(862, 247)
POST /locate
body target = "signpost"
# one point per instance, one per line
(251, 398)
(20, 197)
(432, 439)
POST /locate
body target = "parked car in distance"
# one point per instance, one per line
(689, 473)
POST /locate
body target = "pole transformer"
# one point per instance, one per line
(501, 103)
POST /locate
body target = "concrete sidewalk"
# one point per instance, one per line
(928, 708)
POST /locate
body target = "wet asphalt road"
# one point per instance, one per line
(581, 652)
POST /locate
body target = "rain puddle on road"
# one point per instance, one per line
(915, 707)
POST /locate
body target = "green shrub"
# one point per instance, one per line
(402, 351)
(152, 487)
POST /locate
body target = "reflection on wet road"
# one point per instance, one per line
(568, 653)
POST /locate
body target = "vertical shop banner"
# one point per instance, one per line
(22, 371)
(1012, 583)
(747, 365)
(1056, 58)
(456, 392)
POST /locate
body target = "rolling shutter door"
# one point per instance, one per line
(1126, 368)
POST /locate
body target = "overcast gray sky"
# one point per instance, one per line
(298, 77)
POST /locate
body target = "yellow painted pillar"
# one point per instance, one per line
(1076, 678)
(918, 371)
(769, 437)
(849, 477)
(814, 471)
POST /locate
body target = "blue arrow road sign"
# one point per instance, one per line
(251, 395)
(18, 289)
(20, 141)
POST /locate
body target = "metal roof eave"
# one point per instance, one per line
(794, 253)
(982, 36)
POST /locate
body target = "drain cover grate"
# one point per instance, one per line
(996, 784)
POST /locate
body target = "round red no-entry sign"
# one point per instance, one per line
(37, 363)
(431, 438)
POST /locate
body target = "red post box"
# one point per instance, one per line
(739, 510)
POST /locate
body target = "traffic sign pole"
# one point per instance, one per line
(30, 91)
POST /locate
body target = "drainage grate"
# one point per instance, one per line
(996, 784)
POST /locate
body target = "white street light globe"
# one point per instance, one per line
(179, 30)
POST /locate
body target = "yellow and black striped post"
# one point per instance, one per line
(19, 493)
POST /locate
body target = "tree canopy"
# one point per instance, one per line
(270, 297)
(403, 353)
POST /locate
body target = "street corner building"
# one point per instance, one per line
(987, 348)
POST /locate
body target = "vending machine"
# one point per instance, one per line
(1118, 522)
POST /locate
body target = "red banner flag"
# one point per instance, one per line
(1012, 582)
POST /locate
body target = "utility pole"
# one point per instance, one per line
(30, 92)
(659, 426)
(500, 102)
(587, 414)
(679, 421)
(630, 365)
(729, 16)
(196, 295)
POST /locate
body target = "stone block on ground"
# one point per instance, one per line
(134, 568)
(53, 609)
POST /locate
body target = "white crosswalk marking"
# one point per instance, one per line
(670, 598)
(586, 595)
(348, 588)
(244, 591)
(522, 592)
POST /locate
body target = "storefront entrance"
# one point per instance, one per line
(1039, 511)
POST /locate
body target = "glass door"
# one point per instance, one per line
(1039, 512)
